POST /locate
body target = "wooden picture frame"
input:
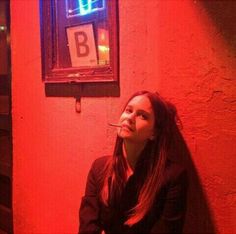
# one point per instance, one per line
(59, 69)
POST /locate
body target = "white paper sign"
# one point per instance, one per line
(82, 45)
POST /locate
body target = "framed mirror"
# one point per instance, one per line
(79, 42)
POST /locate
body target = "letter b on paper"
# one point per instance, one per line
(82, 45)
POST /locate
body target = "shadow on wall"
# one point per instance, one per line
(198, 216)
(222, 14)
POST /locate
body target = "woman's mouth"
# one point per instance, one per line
(127, 127)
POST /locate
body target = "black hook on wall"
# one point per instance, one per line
(78, 104)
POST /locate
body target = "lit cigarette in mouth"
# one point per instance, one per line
(115, 125)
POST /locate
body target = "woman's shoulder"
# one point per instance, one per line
(175, 171)
(101, 162)
(97, 171)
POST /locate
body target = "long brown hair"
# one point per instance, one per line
(157, 152)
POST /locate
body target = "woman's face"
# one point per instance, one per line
(137, 120)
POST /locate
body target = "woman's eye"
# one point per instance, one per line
(128, 110)
(142, 116)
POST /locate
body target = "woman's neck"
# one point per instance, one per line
(131, 152)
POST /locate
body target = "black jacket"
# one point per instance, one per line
(166, 215)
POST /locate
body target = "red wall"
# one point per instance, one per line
(183, 49)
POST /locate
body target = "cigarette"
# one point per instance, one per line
(115, 125)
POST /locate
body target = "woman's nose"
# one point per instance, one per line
(131, 117)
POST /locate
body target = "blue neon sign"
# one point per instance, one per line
(83, 7)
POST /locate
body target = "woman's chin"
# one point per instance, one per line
(124, 135)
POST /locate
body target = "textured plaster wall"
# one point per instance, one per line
(183, 49)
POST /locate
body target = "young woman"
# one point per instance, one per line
(142, 187)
